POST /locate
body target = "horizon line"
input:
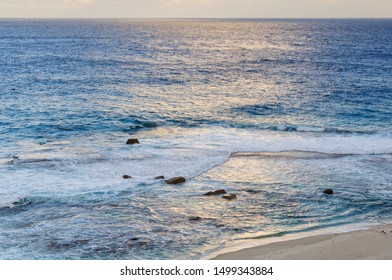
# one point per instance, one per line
(243, 18)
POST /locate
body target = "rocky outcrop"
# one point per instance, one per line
(217, 192)
(328, 191)
(229, 196)
(132, 141)
(176, 180)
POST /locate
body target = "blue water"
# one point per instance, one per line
(274, 111)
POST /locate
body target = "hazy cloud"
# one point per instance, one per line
(196, 8)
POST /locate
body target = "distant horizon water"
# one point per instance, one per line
(202, 18)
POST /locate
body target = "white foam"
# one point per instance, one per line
(237, 140)
(73, 168)
(310, 129)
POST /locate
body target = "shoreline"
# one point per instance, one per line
(358, 242)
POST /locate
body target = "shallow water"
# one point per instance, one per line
(274, 111)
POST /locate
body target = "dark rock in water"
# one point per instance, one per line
(65, 245)
(159, 177)
(328, 191)
(252, 191)
(194, 219)
(57, 245)
(229, 196)
(217, 192)
(132, 141)
(131, 242)
(127, 177)
(176, 180)
(134, 242)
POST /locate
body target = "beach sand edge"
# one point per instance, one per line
(370, 244)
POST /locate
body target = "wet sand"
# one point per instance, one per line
(370, 244)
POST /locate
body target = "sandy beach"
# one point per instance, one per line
(370, 244)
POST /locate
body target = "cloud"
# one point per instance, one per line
(196, 8)
(188, 2)
(77, 1)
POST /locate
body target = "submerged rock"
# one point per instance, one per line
(328, 191)
(159, 177)
(229, 196)
(217, 192)
(176, 180)
(252, 191)
(132, 141)
(134, 242)
(65, 245)
(127, 177)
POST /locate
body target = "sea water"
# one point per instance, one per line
(274, 111)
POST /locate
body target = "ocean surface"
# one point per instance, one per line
(274, 111)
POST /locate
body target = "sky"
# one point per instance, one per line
(195, 8)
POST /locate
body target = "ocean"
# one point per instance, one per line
(274, 111)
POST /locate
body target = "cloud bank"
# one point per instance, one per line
(196, 8)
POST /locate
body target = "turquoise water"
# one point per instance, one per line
(274, 111)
